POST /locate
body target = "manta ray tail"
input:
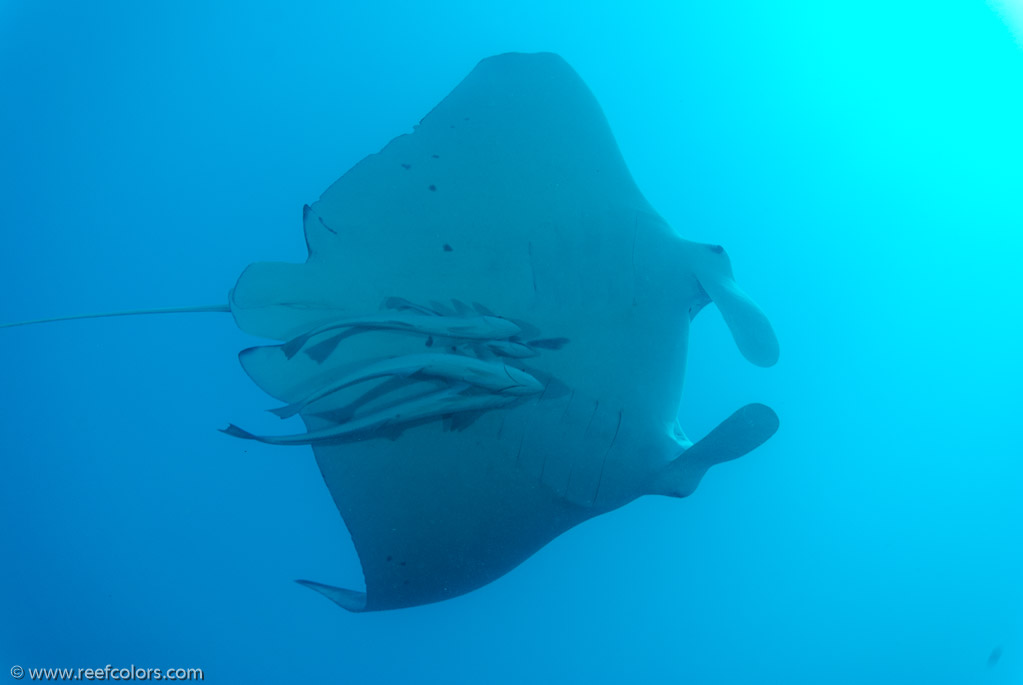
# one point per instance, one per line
(739, 434)
(346, 599)
(135, 312)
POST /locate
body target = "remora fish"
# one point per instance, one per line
(494, 376)
(471, 327)
(448, 401)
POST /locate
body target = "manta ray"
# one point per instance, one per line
(487, 342)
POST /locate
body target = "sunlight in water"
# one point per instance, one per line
(1012, 13)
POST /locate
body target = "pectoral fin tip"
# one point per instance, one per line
(236, 432)
(346, 599)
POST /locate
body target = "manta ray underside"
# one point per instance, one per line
(488, 340)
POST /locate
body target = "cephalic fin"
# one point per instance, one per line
(748, 324)
(739, 434)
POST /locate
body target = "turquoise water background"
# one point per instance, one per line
(861, 162)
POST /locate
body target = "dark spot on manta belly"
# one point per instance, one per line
(435, 156)
(388, 557)
(716, 249)
(429, 341)
(406, 167)
(433, 187)
(447, 248)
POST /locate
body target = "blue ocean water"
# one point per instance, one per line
(861, 163)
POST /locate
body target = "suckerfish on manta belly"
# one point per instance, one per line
(450, 459)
